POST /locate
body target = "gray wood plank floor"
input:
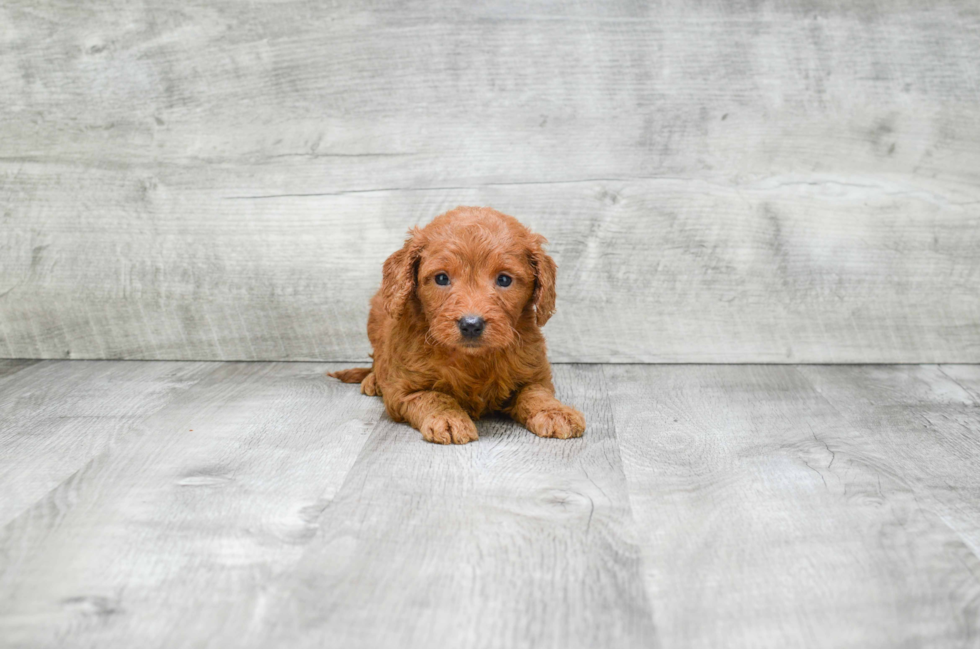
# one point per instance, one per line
(261, 504)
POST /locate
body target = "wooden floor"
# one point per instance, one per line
(180, 504)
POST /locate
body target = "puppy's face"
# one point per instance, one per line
(472, 293)
(475, 273)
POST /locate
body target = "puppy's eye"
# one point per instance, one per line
(504, 280)
(442, 279)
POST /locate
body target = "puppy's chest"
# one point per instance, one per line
(478, 390)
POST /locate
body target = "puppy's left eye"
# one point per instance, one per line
(504, 280)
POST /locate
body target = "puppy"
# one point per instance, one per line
(456, 330)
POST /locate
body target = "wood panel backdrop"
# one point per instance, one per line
(721, 182)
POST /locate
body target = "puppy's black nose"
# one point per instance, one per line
(471, 326)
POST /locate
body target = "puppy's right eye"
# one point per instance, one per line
(442, 279)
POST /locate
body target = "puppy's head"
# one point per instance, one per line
(475, 275)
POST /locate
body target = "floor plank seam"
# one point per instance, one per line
(641, 562)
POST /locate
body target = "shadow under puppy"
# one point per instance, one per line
(456, 331)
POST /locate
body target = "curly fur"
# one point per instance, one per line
(428, 374)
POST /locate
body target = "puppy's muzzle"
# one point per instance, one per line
(471, 326)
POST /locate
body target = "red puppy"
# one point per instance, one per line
(456, 332)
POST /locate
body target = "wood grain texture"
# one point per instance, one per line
(934, 447)
(768, 182)
(8, 367)
(170, 539)
(56, 417)
(814, 506)
(240, 533)
(512, 541)
(266, 505)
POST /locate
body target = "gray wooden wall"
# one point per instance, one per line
(721, 182)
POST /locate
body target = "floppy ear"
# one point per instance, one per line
(545, 270)
(400, 274)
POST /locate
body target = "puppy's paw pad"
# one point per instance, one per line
(562, 423)
(449, 429)
(369, 386)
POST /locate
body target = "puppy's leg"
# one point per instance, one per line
(541, 413)
(437, 416)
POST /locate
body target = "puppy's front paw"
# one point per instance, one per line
(449, 428)
(562, 422)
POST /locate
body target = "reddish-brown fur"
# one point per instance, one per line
(427, 373)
